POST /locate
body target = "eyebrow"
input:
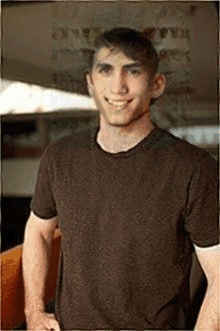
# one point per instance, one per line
(126, 66)
(133, 65)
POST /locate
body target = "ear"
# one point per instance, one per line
(89, 83)
(158, 86)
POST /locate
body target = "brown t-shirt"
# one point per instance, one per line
(129, 221)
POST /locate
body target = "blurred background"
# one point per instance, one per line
(43, 96)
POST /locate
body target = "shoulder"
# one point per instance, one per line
(70, 145)
(182, 152)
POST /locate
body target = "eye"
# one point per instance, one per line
(134, 72)
(105, 70)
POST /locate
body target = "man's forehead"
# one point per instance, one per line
(112, 55)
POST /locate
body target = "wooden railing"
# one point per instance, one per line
(12, 288)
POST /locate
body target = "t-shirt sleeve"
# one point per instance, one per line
(203, 204)
(43, 203)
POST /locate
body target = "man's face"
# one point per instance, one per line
(120, 87)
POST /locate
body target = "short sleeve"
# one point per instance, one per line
(203, 204)
(43, 204)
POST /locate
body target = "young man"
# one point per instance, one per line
(132, 201)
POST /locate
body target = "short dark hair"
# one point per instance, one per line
(132, 43)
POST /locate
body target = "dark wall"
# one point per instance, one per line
(15, 212)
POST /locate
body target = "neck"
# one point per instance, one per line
(116, 139)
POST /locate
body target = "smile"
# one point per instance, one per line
(118, 103)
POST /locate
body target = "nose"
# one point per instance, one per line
(118, 83)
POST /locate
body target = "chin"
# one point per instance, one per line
(117, 120)
(120, 123)
(125, 121)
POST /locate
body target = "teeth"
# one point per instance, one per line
(117, 103)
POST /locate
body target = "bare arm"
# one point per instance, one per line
(36, 251)
(208, 318)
